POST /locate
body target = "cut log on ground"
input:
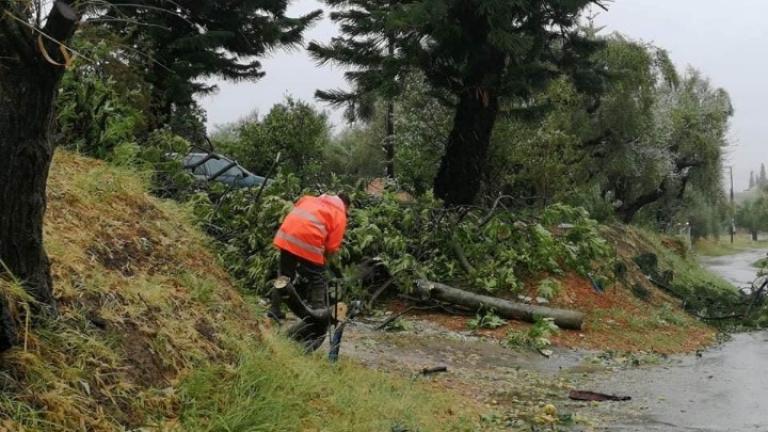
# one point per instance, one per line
(566, 319)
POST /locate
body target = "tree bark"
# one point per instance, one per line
(566, 319)
(462, 167)
(629, 210)
(28, 86)
(25, 114)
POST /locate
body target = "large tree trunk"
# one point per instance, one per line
(25, 115)
(28, 86)
(463, 164)
(563, 318)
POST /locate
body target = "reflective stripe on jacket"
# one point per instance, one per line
(314, 228)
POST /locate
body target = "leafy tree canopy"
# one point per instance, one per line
(181, 42)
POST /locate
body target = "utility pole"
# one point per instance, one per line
(389, 140)
(733, 210)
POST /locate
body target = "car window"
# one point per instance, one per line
(192, 160)
(216, 165)
(200, 170)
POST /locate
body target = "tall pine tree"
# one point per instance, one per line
(367, 45)
(751, 180)
(485, 53)
(763, 181)
(183, 41)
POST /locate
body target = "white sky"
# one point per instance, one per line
(725, 39)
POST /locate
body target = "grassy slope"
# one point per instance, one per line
(151, 332)
(723, 246)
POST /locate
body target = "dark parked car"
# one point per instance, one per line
(212, 167)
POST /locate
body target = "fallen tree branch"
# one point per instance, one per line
(455, 310)
(389, 320)
(590, 396)
(459, 251)
(380, 291)
(563, 318)
(492, 212)
(718, 318)
(434, 370)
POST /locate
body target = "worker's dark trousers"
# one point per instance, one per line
(312, 288)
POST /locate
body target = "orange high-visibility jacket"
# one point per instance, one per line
(314, 228)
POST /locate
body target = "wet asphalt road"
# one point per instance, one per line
(723, 389)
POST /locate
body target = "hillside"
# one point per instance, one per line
(151, 333)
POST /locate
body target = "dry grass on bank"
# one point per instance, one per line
(152, 334)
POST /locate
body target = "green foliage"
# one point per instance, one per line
(703, 292)
(649, 148)
(295, 129)
(488, 320)
(100, 106)
(422, 125)
(537, 337)
(549, 288)
(180, 43)
(245, 227)
(541, 148)
(753, 215)
(413, 240)
(356, 152)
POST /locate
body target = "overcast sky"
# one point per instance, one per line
(726, 39)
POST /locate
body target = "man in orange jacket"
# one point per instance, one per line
(313, 229)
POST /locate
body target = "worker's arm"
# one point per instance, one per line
(336, 236)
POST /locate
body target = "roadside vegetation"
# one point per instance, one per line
(153, 333)
(548, 164)
(722, 246)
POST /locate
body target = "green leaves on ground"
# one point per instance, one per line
(488, 320)
(537, 337)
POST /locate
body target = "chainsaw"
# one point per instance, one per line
(354, 309)
(339, 313)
